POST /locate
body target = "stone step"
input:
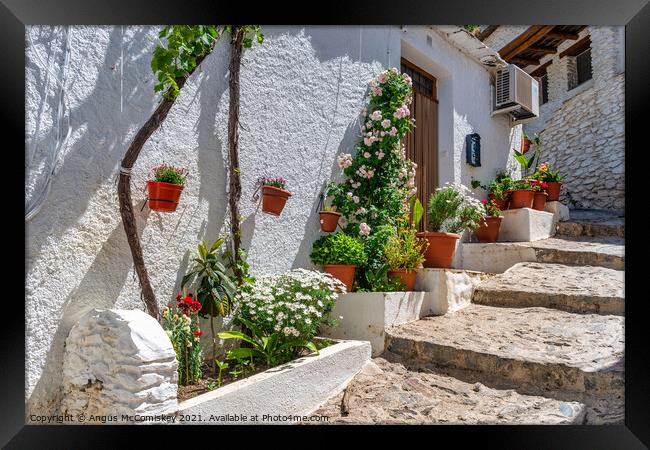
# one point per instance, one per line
(388, 393)
(578, 289)
(537, 351)
(500, 256)
(593, 223)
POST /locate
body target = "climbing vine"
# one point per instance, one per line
(379, 179)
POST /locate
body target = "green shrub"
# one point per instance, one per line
(169, 174)
(338, 248)
(404, 250)
(452, 209)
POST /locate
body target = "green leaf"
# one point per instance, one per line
(236, 335)
(418, 210)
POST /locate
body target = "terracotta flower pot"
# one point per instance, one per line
(163, 197)
(273, 199)
(553, 191)
(329, 220)
(489, 231)
(539, 201)
(501, 204)
(522, 198)
(525, 145)
(441, 249)
(344, 272)
(405, 276)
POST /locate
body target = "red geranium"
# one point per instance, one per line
(198, 333)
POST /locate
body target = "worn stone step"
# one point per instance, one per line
(579, 289)
(593, 223)
(388, 393)
(538, 351)
(500, 256)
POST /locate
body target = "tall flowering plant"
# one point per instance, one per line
(378, 178)
(181, 324)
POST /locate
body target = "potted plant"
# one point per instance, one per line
(329, 218)
(526, 163)
(539, 198)
(452, 210)
(404, 253)
(489, 229)
(522, 195)
(166, 187)
(552, 179)
(340, 254)
(274, 196)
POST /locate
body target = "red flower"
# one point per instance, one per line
(178, 297)
(485, 202)
(188, 300)
(196, 306)
(198, 333)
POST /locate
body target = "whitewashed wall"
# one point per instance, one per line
(301, 93)
(464, 107)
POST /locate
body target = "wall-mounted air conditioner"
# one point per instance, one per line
(515, 93)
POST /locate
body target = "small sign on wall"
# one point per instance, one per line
(473, 149)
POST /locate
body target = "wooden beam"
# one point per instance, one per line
(541, 70)
(526, 61)
(580, 46)
(563, 35)
(488, 31)
(524, 40)
(545, 50)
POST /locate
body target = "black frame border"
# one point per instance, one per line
(634, 14)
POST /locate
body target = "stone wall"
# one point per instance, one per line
(583, 129)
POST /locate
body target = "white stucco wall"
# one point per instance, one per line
(503, 35)
(301, 93)
(464, 107)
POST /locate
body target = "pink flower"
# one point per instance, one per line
(383, 77)
(366, 155)
(355, 199)
(385, 123)
(364, 229)
(376, 115)
(393, 131)
(344, 161)
(380, 154)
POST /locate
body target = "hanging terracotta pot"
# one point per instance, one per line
(489, 231)
(405, 276)
(553, 191)
(539, 201)
(163, 197)
(273, 199)
(329, 220)
(501, 204)
(343, 272)
(525, 145)
(441, 248)
(522, 198)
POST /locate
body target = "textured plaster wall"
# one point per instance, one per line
(583, 129)
(464, 107)
(301, 93)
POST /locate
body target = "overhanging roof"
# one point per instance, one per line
(536, 42)
(471, 45)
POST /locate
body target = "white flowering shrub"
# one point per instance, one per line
(453, 209)
(294, 304)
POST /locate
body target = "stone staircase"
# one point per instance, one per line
(552, 328)
(541, 342)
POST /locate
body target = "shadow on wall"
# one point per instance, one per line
(312, 226)
(100, 288)
(70, 193)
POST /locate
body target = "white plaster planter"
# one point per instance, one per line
(525, 225)
(366, 315)
(446, 290)
(282, 394)
(560, 212)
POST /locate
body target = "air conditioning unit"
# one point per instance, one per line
(515, 93)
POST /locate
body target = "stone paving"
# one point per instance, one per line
(388, 393)
(592, 251)
(580, 289)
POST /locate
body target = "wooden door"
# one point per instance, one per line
(422, 144)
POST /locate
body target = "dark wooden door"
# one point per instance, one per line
(422, 144)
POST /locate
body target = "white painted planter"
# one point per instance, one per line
(282, 394)
(366, 315)
(446, 290)
(525, 225)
